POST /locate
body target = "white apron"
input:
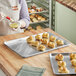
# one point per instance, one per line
(6, 8)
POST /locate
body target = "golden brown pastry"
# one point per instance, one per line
(61, 63)
(30, 39)
(44, 41)
(34, 20)
(75, 69)
(39, 18)
(63, 70)
(35, 43)
(72, 56)
(31, 16)
(41, 48)
(59, 57)
(60, 42)
(38, 27)
(38, 37)
(43, 19)
(33, 7)
(52, 38)
(45, 35)
(73, 62)
(51, 44)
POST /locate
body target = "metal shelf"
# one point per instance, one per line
(39, 22)
(39, 12)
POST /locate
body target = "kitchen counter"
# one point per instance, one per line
(10, 62)
(68, 3)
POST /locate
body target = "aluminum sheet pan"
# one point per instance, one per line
(66, 59)
(21, 47)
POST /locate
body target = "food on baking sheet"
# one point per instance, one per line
(43, 19)
(44, 41)
(61, 63)
(35, 43)
(33, 6)
(30, 39)
(31, 16)
(39, 9)
(32, 11)
(38, 37)
(34, 20)
(51, 44)
(38, 27)
(73, 62)
(45, 35)
(41, 48)
(60, 42)
(72, 56)
(52, 38)
(59, 57)
(63, 70)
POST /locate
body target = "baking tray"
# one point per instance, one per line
(21, 47)
(66, 59)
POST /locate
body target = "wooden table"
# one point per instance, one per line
(10, 62)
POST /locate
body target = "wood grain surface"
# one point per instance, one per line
(10, 62)
(68, 3)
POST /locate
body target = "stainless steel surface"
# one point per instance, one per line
(21, 47)
(66, 59)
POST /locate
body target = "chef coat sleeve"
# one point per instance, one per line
(24, 14)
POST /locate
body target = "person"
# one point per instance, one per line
(17, 10)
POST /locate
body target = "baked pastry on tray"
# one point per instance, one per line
(35, 43)
(59, 57)
(61, 63)
(51, 44)
(52, 38)
(30, 39)
(73, 62)
(72, 56)
(60, 42)
(63, 70)
(38, 37)
(45, 35)
(41, 48)
(44, 41)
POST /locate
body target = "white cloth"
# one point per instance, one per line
(6, 8)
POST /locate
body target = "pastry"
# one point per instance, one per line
(41, 48)
(29, 28)
(44, 41)
(38, 27)
(45, 35)
(59, 57)
(28, 9)
(61, 63)
(63, 70)
(34, 20)
(33, 6)
(31, 16)
(72, 56)
(73, 62)
(60, 42)
(39, 18)
(52, 38)
(38, 37)
(75, 69)
(30, 39)
(43, 19)
(51, 44)
(35, 43)
(39, 9)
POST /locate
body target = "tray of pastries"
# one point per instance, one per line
(35, 18)
(63, 63)
(36, 9)
(36, 44)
